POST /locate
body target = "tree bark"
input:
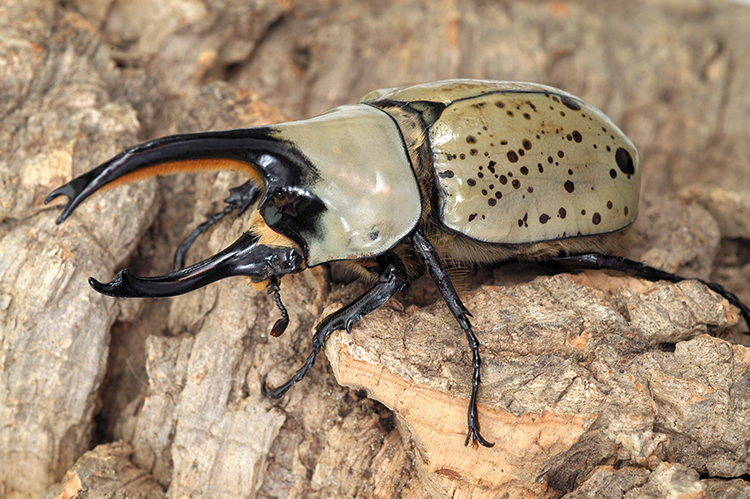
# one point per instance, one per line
(593, 385)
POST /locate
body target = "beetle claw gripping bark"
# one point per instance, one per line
(464, 171)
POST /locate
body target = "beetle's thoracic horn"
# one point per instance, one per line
(244, 257)
(230, 149)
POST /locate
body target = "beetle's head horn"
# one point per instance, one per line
(251, 150)
(247, 257)
(263, 254)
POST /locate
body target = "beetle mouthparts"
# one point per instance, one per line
(244, 257)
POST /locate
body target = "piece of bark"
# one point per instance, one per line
(106, 471)
(55, 335)
(185, 43)
(676, 86)
(665, 480)
(560, 364)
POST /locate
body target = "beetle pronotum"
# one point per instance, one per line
(461, 171)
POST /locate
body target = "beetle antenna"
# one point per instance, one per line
(280, 326)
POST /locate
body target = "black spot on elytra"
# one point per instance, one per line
(472, 217)
(480, 174)
(471, 182)
(470, 139)
(530, 189)
(512, 156)
(527, 116)
(526, 143)
(462, 156)
(570, 103)
(516, 184)
(473, 152)
(544, 218)
(541, 168)
(609, 205)
(500, 104)
(560, 154)
(613, 173)
(625, 210)
(492, 201)
(503, 179)
(498, 194)
(446, 174)
(561, 213)
(484, 192)
(577, 136)
(624, 161)
(491, 166)
(510, 113)
(524, 170)
(596, 219)
(569, 186)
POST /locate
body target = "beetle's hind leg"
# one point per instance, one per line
(390, 281)
(240, 198)
(440, 276)
(638, 269)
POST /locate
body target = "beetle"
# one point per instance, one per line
(460, 171)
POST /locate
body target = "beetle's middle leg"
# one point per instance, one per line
(390, 281)
(440, 276)
(605, 262)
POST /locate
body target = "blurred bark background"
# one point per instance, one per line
(594, 385)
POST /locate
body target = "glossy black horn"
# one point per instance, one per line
(244, 257)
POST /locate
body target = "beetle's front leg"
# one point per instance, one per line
(390, 282)
(240, 198)
(442, 279)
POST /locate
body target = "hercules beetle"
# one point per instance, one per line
(461, 171)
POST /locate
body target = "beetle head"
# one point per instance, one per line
(263, 253)
(334, 187)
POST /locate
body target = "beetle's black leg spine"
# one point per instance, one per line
(442, 279)
(280, 326)
(390, 282)
(240, 198)
(606, 262)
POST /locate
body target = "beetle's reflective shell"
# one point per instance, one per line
(363, 177)
(525, 163)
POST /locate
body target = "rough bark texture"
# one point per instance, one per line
(594, 385)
